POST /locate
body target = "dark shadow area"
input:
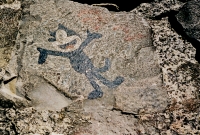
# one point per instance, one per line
(123, 5)
(13, 127)
(179, 29)
(6, 104)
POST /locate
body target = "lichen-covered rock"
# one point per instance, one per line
(2, 2)
(158, 8)
(8, 33)
(9, 23)
(179, 72)
(31, 121)
(189, 18)
(180, 69)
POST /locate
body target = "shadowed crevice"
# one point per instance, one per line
(180, 30)
(123, 5)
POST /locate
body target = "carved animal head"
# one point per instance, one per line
(64, 39)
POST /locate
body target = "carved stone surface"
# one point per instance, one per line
(85, 52)
(140, 95)
(83, 63)
(128, 98)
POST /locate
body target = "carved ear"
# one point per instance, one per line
(60, 26)
(88, 33)
(53, 34)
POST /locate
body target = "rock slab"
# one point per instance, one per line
(86, 52)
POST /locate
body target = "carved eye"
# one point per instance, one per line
(60, 35)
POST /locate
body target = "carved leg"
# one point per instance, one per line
(110, 84)
(97, 92)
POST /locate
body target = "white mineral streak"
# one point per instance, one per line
(14, 5)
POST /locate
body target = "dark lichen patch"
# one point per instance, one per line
(2, 2)
(191, 69)
(191, 105)
(26, 3)
(6, 2)
(8, 26)
(8, 33)
(6, 103)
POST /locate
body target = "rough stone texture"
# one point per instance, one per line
(140, 95)
(7, 127)
(10, 4)
(189, 18)
(180, 76)
(158, 8)
(121, 45)
(2, 2)
(31, 121)
(8, 33)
